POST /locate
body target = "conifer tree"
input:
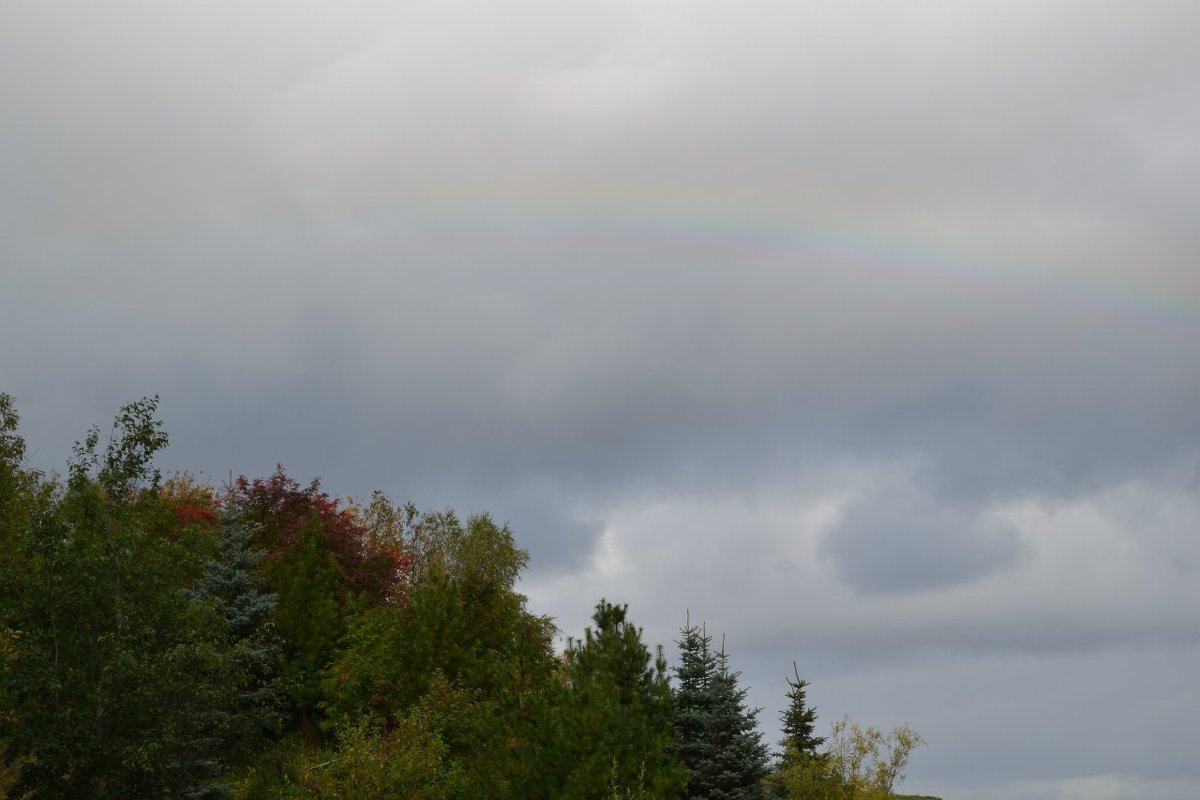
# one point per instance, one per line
(801, 770)
(309, 619)
(232, 582)
(799, 720)
(233, 586)
(716, 735)
(693, 701)
(617, 711)
(739, 755)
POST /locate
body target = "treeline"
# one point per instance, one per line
(171, 639)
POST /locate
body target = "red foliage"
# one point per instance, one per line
(281, 507)
(195, 514)
(191, 501)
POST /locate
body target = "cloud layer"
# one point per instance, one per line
(867, 333)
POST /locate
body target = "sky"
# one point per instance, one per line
(865, 333)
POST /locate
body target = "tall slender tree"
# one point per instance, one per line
(799, 719)
(801, 770)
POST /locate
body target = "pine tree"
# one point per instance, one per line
(617, 709)
(716, 735)
(309, 619)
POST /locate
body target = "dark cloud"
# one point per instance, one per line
(896, 540)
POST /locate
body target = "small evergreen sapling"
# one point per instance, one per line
(799, 720)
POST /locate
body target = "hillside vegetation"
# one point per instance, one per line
(165, 638)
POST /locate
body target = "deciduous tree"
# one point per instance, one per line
(867, 762)
(465, 651)
(114, 672)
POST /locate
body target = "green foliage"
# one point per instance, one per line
(740, 757)
(18, 491)
(616, 712)
(325, 568)
(464, 651)
(232, 585)
(9, 771)
(860, 763)
(806, 776)
(16, 483)
(407, 762)
(618, 791)
(12, 446)
(154, 641)
(481, 554)
(392, 652)
(462, 620)
(25, 497)
(716, 735)
(308, 617)
(115, 673)
(799, 720)
(693, 700)
(801, 771)
(137, 434)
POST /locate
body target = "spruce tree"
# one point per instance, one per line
(716, 735)
(233, 586)
(739, 756)
(232, 582)
(693, 702)
(799, 720)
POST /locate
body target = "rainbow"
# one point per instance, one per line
(1133, 292)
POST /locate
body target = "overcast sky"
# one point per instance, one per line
(868, 332)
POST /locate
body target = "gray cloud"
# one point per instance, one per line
(895, 540)
(678, 289)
